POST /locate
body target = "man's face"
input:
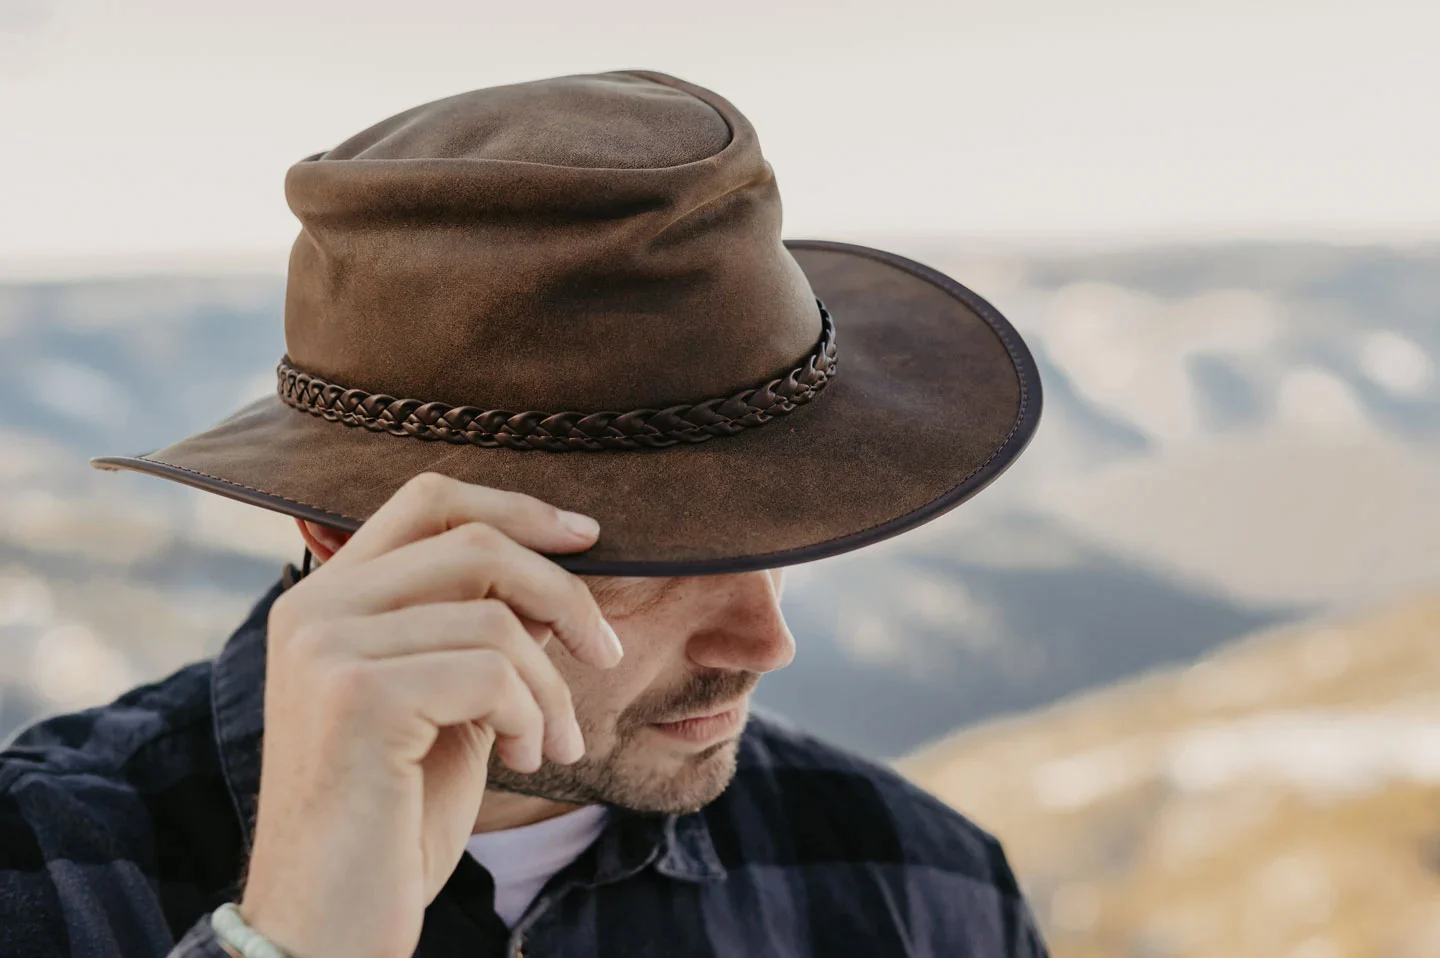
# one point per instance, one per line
(662, 727)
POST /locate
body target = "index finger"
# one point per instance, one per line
(431, 504)
(476, 561)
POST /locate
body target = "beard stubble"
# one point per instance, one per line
(622, 776)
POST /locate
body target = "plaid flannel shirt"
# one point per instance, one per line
(123, 827)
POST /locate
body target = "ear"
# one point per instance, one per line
(323, 541)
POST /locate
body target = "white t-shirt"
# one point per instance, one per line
(522, 860)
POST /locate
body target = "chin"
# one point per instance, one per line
(641, 780)
(678, 787)
(705, 778)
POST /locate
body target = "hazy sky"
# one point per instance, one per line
(149, 133)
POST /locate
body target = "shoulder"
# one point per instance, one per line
(103, 741)
(90, 786)
(799, 801)
(863, 805)
(109, 804)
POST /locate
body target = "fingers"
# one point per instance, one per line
(441, 540)
(471, 685)
(441, 603)
(458, 626)
(431, 504)
(477, 561)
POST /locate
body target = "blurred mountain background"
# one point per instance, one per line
(1237, 438)
(1233, 437)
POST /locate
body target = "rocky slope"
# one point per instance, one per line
(1279, 798)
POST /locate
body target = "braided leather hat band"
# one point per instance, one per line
(565, 431)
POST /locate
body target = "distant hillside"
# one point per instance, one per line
(1280, 797)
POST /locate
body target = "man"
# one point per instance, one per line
(557, 408)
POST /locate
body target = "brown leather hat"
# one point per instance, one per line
(576, 288)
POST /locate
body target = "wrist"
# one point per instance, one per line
(239, 938)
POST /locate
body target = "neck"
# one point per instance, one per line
(511, 810)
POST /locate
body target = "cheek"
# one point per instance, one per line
(649, 668)
(601, 695)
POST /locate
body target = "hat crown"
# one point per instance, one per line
(615, 121)
(587, 242)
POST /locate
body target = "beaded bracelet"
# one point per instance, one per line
(231, 929)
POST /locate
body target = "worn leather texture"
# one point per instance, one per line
(613, 243)
(592, 242)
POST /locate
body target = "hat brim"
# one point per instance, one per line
(936, 394)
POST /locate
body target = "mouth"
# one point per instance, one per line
(706, 727)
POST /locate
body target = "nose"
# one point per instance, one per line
(745, 630)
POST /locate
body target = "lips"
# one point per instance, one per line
(706, 727)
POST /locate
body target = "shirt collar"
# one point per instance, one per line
(679, 846)
(237, 701)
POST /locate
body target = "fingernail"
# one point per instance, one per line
(581, 526)
(613, 642)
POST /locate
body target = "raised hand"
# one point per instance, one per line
(392, 671)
